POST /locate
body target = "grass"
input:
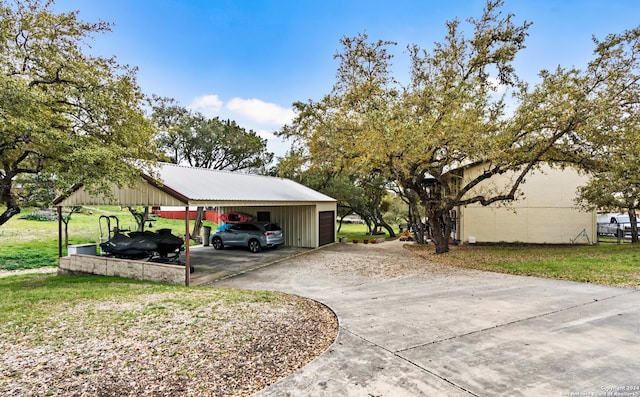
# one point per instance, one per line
(16, 256)
(605, 264)
(358, 231)
(32, 298)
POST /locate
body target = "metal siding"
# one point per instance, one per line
(141, 194)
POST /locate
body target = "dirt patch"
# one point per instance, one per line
(6, 273)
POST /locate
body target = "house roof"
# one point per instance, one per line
(180, 185)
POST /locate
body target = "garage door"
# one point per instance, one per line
(327, 224)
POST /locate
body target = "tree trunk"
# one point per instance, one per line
(340, 222)
(8, 213)
(415, 223)
(380, 222)
(66, 234)
(417, 229)
(6, 197)
(140, 217)
(195, 235)
(634, 225)
(440, 226)
(66, 219)
(389, 229)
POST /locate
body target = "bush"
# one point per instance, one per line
(41, 216)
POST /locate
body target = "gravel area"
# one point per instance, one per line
(387, 260)
(166, 344)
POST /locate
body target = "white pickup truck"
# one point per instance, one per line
(617, 225)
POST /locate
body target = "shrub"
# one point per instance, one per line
(41, 216)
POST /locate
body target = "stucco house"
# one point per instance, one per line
(544, 212)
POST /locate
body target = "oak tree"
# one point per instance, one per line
(63, 111)
(463, 107)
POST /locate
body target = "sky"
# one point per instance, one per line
(250, 60)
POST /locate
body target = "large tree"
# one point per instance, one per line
(190, 137)
(63, 111)
(451, 115)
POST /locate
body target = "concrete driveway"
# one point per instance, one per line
(412, 328)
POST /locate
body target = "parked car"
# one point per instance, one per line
(254, 235)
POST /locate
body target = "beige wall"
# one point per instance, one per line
(545, 213)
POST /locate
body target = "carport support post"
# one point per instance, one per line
(187, 261)
(59, 232)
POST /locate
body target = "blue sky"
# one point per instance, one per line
(249, 60)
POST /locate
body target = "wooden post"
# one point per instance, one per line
(59, 232)
(187, 261)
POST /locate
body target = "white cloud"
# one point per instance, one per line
(209, 105)
(252, 114)
(266, 134)
(261, 112)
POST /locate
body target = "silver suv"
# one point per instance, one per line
(254, 235)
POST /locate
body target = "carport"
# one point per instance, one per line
(307, 216)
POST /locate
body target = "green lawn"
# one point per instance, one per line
(29, 298)
(606, 264)
(357, 231)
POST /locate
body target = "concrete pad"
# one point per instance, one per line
(211, 264)
(355, 367)
(581, 349)
(433, 330)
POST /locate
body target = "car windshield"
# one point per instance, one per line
(271, 227)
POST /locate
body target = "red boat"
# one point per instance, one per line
(235, 217)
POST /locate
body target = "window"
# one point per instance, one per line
(271, 227)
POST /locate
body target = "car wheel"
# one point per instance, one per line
(217, 243)
(254, 246)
